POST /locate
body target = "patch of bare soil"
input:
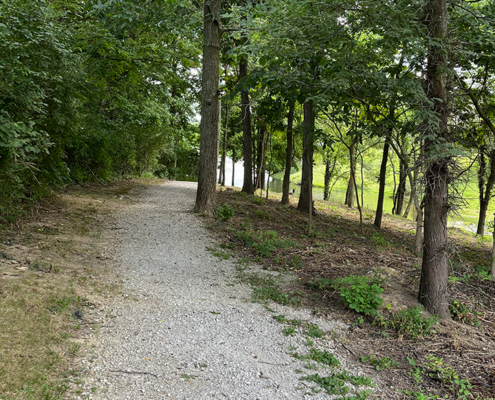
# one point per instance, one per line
(438, 364)
(54, 272)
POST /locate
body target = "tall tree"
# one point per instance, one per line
(210, 108)
(305, 198)
(433, 290)
(288, 154)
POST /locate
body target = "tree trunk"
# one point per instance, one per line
(433, 289)
(247, 186)
(414, 183)
(260, 181)
(485, 201)
(492, 266)
(233, 165)
(401, 189)
(288, 154)
(349, 197)
(208, 159)
(328, 176)
(305, 197)
(224, 145)
(381, 190)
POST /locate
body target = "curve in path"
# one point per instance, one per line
(193, 332)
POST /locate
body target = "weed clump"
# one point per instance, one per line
(410, 322)
(224, 212)
(359, 293)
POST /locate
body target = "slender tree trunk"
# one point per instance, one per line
(329, 168)
(305, 198)
(254, 134)
(247, 186)
(485, 201)
(233, 166)
(270, 165)
(413, 182)
(208, 159)
(433, 289)
(492, 266)
(362, 181)
(419, 226)
(349, 198)
(401, 189)
(224, 144)
(261, 162)
(381, 190)
(288, 154)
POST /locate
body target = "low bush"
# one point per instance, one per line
(411, 322)
(224, 212)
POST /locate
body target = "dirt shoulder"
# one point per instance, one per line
(55, 270)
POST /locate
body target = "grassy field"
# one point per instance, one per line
(468, 207)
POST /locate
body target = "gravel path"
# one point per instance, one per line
(192, 331)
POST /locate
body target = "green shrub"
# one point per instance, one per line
(410, 322)
(262, 214)
(224, 212)
(378, 240)
(257, 200)
(359, 295)
(323, 357)
(463, 313)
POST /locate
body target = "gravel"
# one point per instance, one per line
(186, 328)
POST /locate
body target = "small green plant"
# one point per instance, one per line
(314, 331)
(262, 214)
(416, 371)
(380, 363)
(463, 313)
(321, 284)
(420, 395)
(41, 267)
(58, 305)
(257, 200)
(288, 331)
(219, 253)
(410, 322)
(280, 318)
(336, 384)
(358, 295)
(323, 357)
(267, 290)
(378, 240)
(437, 369)
(224, 212)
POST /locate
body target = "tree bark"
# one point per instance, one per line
(233, 165)
(288, 154)
(492, 266)
(305, 198)
(401, 189)
(328, 176)
(260, 181)
(349, 197)
(247, 186)
(485, 200)
(381, 190)
(208, 159)
(433, 289)
(224, 145)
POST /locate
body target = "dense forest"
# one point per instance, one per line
(93, 91)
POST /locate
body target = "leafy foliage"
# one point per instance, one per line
(411, 322)
(357, 293)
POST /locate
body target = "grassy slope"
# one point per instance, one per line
(468, 189)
